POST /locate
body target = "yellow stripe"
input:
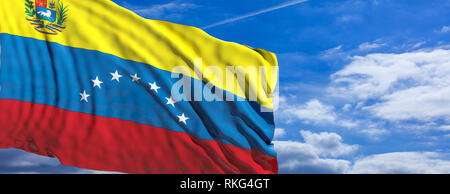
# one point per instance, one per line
(106, 27)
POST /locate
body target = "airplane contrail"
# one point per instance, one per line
(283, 5)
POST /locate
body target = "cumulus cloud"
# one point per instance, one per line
(279, 132)
(402, 163)
(310, 156)
(405, 86)
(327, 144)
(314, 111)
(421, 103)
(295, 157)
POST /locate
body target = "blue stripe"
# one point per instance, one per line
(55, 75)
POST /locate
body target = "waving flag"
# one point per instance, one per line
(99, 87)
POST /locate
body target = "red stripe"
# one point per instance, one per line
(109, 144)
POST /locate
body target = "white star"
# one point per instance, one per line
(171, 101)
(135, 78)
(154, 87)
(97, 82)
(116, 76)
(84, 96)
(183, 118)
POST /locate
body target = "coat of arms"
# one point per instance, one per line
(48, 16)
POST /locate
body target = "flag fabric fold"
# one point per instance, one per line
(91, 83)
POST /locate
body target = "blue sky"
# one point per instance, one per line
(364, 85)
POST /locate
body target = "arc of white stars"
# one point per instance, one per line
(135, 78)
(171, 101)
(97, 83)
(116, 76)
(84, 96)
(154, 87)
(182, 118)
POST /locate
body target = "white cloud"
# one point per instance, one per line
(445, 127)
(327, 144)
(339, 53)
(445, 29)
(314, 111)
(332, 53)
(279, 132)
(160, 10)
(402, 163)
(348, 123)
(349, 18)
(411, 85)
(417, 45)
(346, 107)
(298, 157)
(375, 134)
(409, 46)
(369, 46)
(420, 103)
